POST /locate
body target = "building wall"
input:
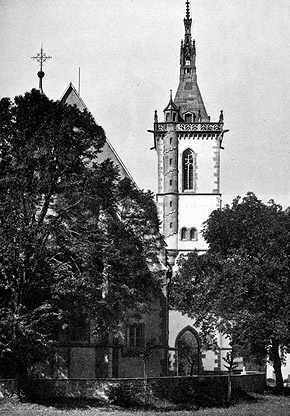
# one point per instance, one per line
(99, 358)
(155, 325)
(207, 151)
(193, 211)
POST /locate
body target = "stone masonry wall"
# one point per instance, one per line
(175, 389)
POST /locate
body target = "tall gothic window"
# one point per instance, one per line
(188, 169)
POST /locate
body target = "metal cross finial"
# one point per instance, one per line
(41, 57)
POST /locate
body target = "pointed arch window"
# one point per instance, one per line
(188, 169)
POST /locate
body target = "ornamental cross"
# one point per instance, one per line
(41, 57)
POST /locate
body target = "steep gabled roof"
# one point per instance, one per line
(72, 97)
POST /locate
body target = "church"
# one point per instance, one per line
(188, 146)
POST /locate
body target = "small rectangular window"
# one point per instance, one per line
(170, 225)
(170, 204)
(170, 182)
(170, 140)
(135, 336)
(170, 161)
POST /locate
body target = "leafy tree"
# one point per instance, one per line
(241, 286)
(73, 236)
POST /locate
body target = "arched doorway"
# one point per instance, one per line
(188, 352)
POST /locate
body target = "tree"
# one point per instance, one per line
(241, 286)
(230, 364)
(73, 236)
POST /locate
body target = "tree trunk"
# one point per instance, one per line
(277, 364)
(229, 392)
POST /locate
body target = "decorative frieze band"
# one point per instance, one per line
(199, 126)
(191, 126)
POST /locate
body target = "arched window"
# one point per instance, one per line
(188, 169)
(183, 234)
(188, 118)
(193, 234)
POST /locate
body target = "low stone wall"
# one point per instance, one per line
(7, 388)
(174, 389)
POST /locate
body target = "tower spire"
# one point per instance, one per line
(41, 57)
(188, 97)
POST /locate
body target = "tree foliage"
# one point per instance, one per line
(73, 236)
(241, 286)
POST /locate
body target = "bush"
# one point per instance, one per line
(129, 394)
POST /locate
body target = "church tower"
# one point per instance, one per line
(188, 147)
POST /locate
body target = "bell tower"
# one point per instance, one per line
(188, 147)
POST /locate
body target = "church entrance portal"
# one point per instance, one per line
(188, 352)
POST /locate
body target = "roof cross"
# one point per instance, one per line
(41, 57)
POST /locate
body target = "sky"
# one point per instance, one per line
(128, 52)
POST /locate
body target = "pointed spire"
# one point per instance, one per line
(41, 57)
(188, 96)
(171, 105)
(155, 117)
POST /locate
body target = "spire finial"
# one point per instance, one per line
(41, 57)
(187, 20)
(187, 10)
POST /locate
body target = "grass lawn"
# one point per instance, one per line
(268, 405)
